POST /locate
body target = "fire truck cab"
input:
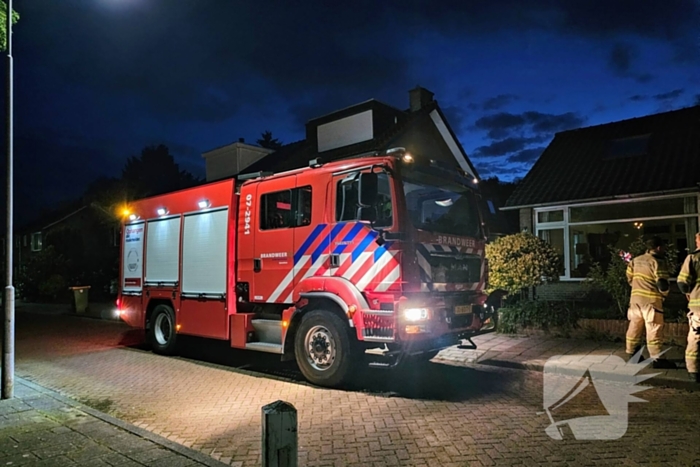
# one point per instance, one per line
(368, 260)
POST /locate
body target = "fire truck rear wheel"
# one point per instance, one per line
(322, 348)
(162, 335)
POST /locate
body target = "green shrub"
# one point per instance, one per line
(520, 261)
(43, 275)
(536, 315)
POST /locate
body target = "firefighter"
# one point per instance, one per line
(648, 276)
(689, 284)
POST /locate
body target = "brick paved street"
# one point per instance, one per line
(210, 399)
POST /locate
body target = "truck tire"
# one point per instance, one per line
(161, 334)
(323, 348)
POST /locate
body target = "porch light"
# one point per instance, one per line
(203, 204)
(162, 211)
(133, 217)
(476, 181)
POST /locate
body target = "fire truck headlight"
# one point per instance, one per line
(415, 314)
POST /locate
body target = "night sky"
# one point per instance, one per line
(97, 80)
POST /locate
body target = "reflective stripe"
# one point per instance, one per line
(691, 354)
(646, 293)
(638, 275)
(635, 340)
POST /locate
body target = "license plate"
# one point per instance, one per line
(463, 310)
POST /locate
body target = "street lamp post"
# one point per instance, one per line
(8, 348)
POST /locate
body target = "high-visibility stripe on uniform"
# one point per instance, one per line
(639, 275)
(646, 293)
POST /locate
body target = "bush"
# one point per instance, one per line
(520, 261)
(44, 275)
(536, 315)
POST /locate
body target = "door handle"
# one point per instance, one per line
(257, 265)
(335, 261)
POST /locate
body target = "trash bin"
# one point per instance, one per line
(80, 298)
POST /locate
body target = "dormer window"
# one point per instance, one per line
(628, 147)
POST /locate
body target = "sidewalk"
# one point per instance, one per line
(531, 353)
(42, 428)
(98, 310)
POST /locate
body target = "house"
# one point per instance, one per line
(85, 235)
(362, 128)
(608, 184)
(231, 159)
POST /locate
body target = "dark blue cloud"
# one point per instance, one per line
(502, 124)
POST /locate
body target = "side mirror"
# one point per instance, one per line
(369, 189)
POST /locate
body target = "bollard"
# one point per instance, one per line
(279, 435)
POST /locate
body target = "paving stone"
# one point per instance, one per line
(433, 414)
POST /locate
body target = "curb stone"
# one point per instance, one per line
(656, 381)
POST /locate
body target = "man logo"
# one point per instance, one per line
(614, 381)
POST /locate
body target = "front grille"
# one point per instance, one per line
(452, 270)
(378, 325)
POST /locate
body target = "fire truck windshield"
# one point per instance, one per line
(441, 207)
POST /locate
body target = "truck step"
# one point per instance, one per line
(268, 330)
(264, 347)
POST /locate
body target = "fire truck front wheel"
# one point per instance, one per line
(323, 349)
(161, 334)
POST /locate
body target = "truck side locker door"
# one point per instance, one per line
(273, 259)
(247, 220)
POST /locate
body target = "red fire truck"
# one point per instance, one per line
(370, 259)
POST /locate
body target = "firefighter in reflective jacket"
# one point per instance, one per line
(648, 276)
(689, 283)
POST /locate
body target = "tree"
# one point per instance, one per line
(267, 141)
(520, 261)
(153, 173)
(109, 196)
(3, 24)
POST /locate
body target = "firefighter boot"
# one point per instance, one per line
(694, 377)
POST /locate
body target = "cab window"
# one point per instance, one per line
(288, 208)
(347, 206)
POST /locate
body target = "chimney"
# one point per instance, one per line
(419, 98)
(241, 140)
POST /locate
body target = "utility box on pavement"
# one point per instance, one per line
(80, 298)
